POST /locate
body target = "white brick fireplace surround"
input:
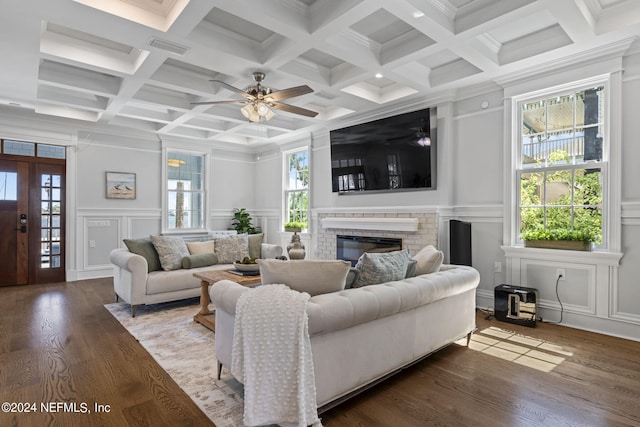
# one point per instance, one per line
(416, 229)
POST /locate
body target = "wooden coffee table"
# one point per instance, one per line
(209, 277)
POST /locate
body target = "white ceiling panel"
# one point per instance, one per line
(141, 64)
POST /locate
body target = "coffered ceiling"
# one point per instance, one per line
(140, 64)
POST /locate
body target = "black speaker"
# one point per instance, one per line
(516, 304)
(459, 242)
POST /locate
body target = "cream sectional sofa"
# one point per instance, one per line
(362, 335)
(136, 285)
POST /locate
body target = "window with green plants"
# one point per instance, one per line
(296, 187)
(561, 169)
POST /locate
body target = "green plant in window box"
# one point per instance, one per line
(294, 226)
(578, 240)
(243, 223)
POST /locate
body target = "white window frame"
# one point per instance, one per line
(285, 184)
(603, 164)
(165, 191)
(611, 160)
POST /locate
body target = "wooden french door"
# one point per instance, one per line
(14, 203)
(32, 221)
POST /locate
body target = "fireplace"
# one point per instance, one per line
(349, 248)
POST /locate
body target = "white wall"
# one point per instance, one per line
(471, 187)
(104, 223)
(626, 290)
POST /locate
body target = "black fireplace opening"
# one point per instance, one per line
(349, 248)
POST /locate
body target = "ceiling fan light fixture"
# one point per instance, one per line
(270, 114)
(262, 109)
(249, 111)
(260, 101)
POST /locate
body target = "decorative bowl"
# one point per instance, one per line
(246, 267)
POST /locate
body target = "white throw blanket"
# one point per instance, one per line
(271, 356)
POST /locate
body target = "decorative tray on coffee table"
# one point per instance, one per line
(245, 269)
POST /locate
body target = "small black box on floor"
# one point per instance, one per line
(516, 304)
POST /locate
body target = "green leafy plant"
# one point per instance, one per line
(559, 234)
(570, 209)
(295, 225)
(246, 260)
(242, 222)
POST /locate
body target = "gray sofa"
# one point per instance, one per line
(362, 335)
(136, 285)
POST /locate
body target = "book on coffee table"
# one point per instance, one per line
(245, 273)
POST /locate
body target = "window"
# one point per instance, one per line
(8, 186)
(560, 170)
(50, 217)
(31, 149)
(296, 187)
(185, 191)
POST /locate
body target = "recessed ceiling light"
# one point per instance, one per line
(418, 14)
(379, 75)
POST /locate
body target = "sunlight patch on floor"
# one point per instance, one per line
(523, 350)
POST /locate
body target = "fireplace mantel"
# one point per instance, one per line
(363, 223)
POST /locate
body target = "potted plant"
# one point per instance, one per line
(295, 227)
(577, 240)
(242, 222)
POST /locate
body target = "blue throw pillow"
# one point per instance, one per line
(382, 267)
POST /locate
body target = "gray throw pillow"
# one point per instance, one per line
(255, 243)
(199, 260)
(145, 248)
(383, 267)
(351, 278)
(231, 248)
(171, 250)
(411, 268)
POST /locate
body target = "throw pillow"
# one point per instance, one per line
(429, 260)
(314, 277)
(231, 248)
(145, 248)
(200, 247)
(411, 268)
(171, 250)
(255, 243)
(383, 267)
(351, 278)
(270, 251)
(199, 260)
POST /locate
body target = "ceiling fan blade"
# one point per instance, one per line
(289, 93)
(237, 101)
(232, 88)
(293, 109)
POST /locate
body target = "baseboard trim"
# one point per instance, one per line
(607, 326)
(75, 275)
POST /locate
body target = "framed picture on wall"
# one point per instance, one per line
(121, 185)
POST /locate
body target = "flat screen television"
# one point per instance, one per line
(396, 153)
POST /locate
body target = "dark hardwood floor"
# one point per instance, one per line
(59, 344)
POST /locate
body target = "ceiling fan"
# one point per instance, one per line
(259, 99)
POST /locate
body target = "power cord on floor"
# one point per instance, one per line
(559, 302)
(558, 297)
(488, 313)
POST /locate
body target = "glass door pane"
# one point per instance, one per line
(50, 221)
